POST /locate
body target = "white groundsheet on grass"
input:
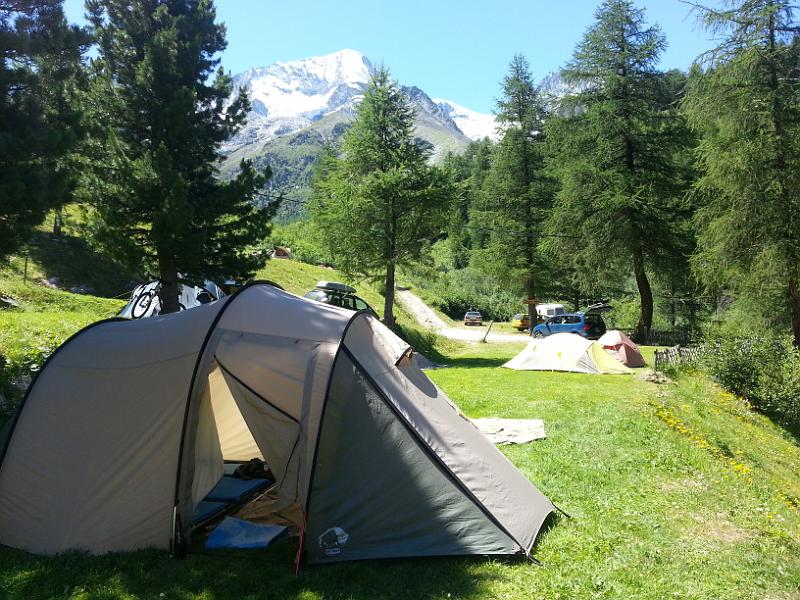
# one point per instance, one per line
(511, 431)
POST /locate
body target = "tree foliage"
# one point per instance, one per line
(40, 61)
(516, 192)
(744, 100)
(619, 151)
(380, 202)
(468, 170)
(158, 102)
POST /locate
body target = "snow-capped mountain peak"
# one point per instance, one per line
(288, 96)
(473, 124)
(299, 107)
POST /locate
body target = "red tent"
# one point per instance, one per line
(621, 347)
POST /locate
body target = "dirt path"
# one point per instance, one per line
(430, 320)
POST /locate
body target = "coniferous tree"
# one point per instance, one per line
(158, 101)
(379, 202)
(618, 153)
(468, 170)
(40, 60)
(744, 101)
(516, 192)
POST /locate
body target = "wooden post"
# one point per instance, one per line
(485, 335)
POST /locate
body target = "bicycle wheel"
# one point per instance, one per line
(142, 304)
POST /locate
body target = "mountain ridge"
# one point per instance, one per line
(299, 107)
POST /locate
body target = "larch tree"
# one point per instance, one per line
(40, 63)
(516, 192)
(618, 151)
(159, 105)
(379, 202)
(744, 102)
(468, 170)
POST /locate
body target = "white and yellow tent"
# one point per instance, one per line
(566, 352)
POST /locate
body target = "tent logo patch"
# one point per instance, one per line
(332, 540)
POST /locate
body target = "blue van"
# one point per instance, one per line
(589, 325)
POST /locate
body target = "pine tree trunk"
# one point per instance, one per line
(645, 297)
(57, 222)
(530, 290)
(168, 293)
(388, 305)
(794, 309)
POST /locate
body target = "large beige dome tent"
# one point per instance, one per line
(566, 352)
(130, 424)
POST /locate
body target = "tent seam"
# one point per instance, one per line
(255, 393)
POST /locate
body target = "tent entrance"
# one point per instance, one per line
(237, 424)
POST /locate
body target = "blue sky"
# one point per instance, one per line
(457, 50)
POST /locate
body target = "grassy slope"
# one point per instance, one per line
(45, 314)
(298, 278)
(44, 319)
(675, 491)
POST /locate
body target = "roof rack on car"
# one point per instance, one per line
(335, 286)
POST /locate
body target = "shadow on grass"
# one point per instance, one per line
(235, 575)
(473, 362)
(76, 264)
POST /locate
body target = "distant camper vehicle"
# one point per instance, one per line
(339, 294)
(473, 317)
(549, 310)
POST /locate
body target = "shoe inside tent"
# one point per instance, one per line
(621, 347)
(566, 352)
(126, 438)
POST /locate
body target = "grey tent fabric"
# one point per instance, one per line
(486, 472)
(375, 483)
(128, 425)
(90, 464)
(208, 459)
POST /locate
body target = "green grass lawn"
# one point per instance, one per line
(675, 491)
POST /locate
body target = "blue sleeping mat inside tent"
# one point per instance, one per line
(233, 490)
(205, 510)
(236, 533)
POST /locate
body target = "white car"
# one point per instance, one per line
(473, 317)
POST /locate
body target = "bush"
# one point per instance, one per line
(17, 369)
(304, 241)
(764, 370)
(456, 292)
